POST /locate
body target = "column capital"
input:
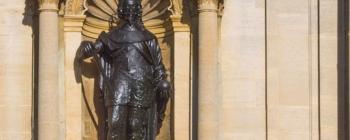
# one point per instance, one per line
(208, 5)
(48, 5)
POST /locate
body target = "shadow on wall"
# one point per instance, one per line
(192, 12)
(30, 18)
(343, 69)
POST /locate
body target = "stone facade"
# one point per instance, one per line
(241, 69)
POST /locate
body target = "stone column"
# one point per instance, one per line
(208, 91)
(48, 107)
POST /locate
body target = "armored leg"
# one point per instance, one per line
(117, 123)
(137, 123)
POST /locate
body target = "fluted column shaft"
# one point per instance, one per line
(208, 91)
(48, 103)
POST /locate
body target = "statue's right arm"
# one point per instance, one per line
(88, 49)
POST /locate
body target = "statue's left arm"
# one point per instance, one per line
(160, 76)
(163, 87)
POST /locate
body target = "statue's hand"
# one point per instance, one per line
(85, 47)
(165, 89)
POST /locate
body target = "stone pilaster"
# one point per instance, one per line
(73, 94)
(208, 89)
(182, 79)
(48, 93)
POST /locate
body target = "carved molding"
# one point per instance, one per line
(101, 15)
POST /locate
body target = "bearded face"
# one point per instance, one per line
(130, 11)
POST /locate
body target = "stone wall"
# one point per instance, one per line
(280, 67)
(16, 82)
(243, 70)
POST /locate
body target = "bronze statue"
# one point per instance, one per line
(132, 75)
